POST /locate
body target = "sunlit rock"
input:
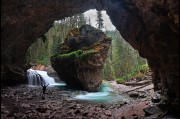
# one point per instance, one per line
(39, 67)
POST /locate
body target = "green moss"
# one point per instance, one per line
(44, 61)
(78, 55)
(120, 80)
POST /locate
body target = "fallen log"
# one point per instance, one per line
(149, 87)
(137, 83)
(136, 88)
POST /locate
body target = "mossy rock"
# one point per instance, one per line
(75, 55)
(83, 38)
(81, 58)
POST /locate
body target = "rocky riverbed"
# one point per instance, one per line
(22, 102)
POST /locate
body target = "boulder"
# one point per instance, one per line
(81, 58)
(151, 110)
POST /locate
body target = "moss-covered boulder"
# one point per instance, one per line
(81, 58)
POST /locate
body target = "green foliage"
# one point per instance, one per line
(122, 58)
(137, 72)
(140, 70)
(48, 44)
(122, 61)
(120, 80)
(75, 55)
(44, 61)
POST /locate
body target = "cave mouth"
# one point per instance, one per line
(39, 53)
(134, 64)
(151, 27)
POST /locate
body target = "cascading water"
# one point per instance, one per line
(34, 78)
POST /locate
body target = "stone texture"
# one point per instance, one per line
(150, 26)
(151, 110)
(39, 67)
(81, 58)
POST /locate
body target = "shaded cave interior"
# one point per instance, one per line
(147, 36)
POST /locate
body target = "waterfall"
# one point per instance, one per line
(34, 78)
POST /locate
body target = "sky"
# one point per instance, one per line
(93, 16)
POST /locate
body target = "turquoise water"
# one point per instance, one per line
(106, 94)
(58, 84)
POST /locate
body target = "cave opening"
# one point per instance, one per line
(151, 27)
(123, 63)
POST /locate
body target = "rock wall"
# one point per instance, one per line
(23, 21)
(150, 26)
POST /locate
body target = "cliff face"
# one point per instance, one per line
(150, 26)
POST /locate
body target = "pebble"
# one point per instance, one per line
(133, 94)
(151, 110)
(59, 106)
(108, 113)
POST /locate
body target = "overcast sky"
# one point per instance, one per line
(93, 16)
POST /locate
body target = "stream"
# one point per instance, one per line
(106, 94)
(62, 102)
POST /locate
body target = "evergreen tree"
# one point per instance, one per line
(99, 20)
(49, 43)
(122, 58)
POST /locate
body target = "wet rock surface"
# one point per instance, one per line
(81, 58)
(52, 73)
(24, 103)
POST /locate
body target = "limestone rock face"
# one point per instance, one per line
(81, 57)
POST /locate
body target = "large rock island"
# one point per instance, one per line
(81, 58)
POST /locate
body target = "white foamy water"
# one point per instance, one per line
(106, 94)
(92, 96)
(35, 80)
(103, 95)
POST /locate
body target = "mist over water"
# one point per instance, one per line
(106, 94)
(35, 80)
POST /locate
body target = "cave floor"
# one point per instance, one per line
(20, 102)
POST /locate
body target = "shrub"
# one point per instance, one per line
(138, 72)
(120, 80)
